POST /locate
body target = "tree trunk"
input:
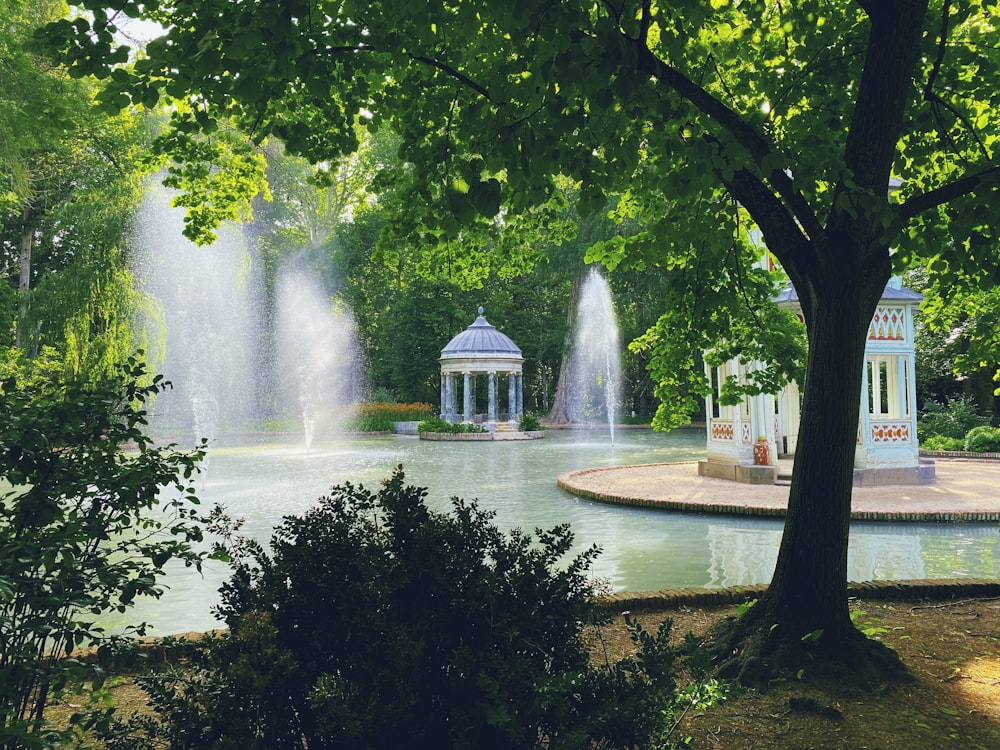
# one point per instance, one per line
(808, 590)
(24, 281)
(563, 410)
(803, 618)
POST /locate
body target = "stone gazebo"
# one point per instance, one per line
(480, 350)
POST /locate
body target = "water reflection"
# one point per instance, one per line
(642, 550)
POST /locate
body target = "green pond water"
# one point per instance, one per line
(642, 550)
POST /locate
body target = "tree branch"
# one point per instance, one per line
(759, 148)
(940, 195)
(452, 73)
(431, 62)
(883, 93)
(936, 100)
(942, 47)
(782, 233)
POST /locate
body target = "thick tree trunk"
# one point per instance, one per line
(808, 590)
(803, 620)
(563, 411)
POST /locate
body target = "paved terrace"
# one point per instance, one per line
(966, 491)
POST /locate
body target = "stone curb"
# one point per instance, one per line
(566, 482)
(915, 590)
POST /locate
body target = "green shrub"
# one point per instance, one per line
(530, 423)
(983, 439)
(436, 424)
(942, 443)
(86, 527)
(374, 622)
(953, 419)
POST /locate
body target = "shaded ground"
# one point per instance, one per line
(953, 700)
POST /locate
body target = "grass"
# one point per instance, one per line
(953, 700)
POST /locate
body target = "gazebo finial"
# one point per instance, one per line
(480, 311)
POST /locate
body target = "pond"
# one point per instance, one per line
(642, 550)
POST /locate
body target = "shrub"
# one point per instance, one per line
(530, 423)
(983, 439)
(942, 443)
(436, 424)
(381, 416)
(374, 622)
(952, 419)
(84, 529)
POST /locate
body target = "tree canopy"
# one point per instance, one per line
(706, 118)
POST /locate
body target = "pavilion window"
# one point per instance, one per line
(715, 393)
(888, 387)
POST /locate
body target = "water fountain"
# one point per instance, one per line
(202, 325)
(596, 355)
(317, 353)
(235, 363)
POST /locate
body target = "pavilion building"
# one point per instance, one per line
(745, 440)
(481, 350)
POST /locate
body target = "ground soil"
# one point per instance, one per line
(952, 650)
(952, 700)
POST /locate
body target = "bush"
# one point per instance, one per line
(382, 416)
(941, 443)
(436, 424)
(983, 439)
(84, 530)
(530, 423)
(952, 419)
(375, 623)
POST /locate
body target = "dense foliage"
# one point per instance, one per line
(69, 187)
(90, 514)
(376, 623)
(983, 439)
(530, 423)
(952, 418)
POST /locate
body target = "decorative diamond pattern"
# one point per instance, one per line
(722, 431)
(888, 324)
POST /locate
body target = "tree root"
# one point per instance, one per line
(757, 655)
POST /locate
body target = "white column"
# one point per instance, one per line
(451, 389)
(444, 396)
(467, 399)
(902, 387)
(492, 408)
(520, 396)
(511, 396)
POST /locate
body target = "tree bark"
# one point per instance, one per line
(563, 411)
(802, 622)
(24, 280)
(808, 591)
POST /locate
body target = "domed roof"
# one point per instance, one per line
(480, 340)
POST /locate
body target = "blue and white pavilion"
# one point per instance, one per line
(481, 350)
(887, 451)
